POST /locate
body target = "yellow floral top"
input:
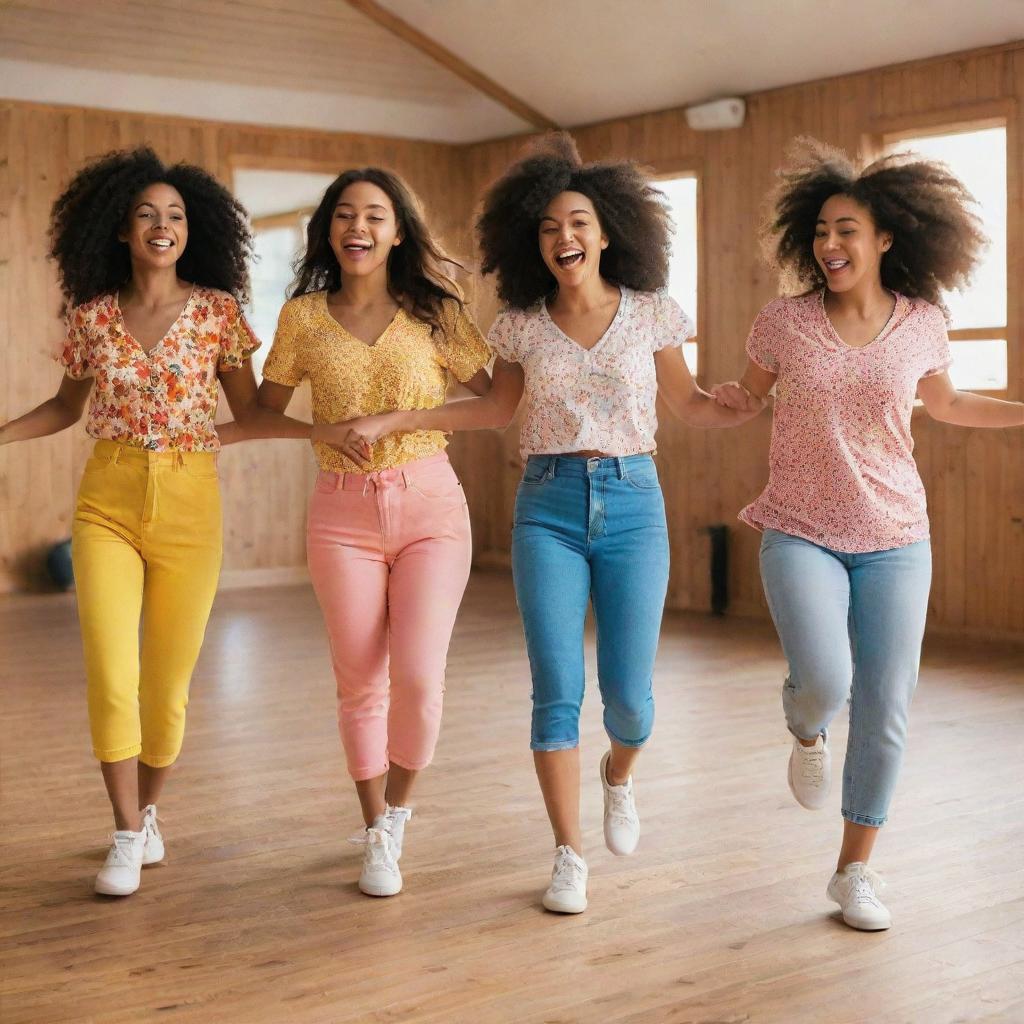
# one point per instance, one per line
(405, 368)
(166, 398)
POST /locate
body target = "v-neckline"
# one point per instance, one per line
(607, 331)
(148, 352)
(836, 336)
(341, 327)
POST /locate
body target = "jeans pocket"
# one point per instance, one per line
(643, 477)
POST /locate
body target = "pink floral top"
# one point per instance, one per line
(166, 398)
(841, 467)
(601, 399)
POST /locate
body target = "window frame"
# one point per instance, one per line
(887, 131)
(692, 168)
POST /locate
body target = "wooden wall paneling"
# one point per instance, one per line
(975, 482)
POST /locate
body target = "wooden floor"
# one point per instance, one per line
(720, 917)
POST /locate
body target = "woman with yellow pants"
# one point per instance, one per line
(153, 262)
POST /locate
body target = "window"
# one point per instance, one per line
(681, 193)
(978, 336)
(280, 203)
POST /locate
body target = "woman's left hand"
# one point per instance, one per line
(372, 428)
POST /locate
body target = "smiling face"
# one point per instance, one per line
(571, 239)
(364, 229)
(156, 228)
(847, 245)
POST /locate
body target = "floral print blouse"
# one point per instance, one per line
(841, 465)
(407, 367)
(598, 399)
(164, 399)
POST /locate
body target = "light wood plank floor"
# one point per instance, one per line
(720, 918)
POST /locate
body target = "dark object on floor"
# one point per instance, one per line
(58, 564)
(719, 568)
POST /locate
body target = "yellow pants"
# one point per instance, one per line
(146, 542)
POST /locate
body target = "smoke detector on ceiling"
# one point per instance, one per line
(716, 115)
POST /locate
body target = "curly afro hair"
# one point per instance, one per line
(633, 215)
(87, 217)
(937, 236)
(417, 277)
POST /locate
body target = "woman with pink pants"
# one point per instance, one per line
(377, 325)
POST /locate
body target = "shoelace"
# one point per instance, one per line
(378, 850)
(621, 809)
(119, 855)
(811, 766)
(863, 887)
(392, 814)
(566, 875)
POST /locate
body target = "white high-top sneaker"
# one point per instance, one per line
(122, 870)
(621, 821)
(810, 773)
(567, 893)
(856, 889)
(380, 875)
(154, 852)
(394, 821)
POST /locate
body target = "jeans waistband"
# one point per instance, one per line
(394, 476)
(115, 452)
(579, 466)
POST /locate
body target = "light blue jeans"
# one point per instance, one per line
(590, 531)
(851, 625)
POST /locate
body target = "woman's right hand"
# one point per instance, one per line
(733, 395)
(351, 443)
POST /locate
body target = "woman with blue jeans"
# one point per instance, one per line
(845, 555)
(581, 253)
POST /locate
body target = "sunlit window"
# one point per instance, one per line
(681, 193)
(979, 333)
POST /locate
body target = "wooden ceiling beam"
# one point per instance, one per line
(404, 31)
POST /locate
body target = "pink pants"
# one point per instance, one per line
(389, 556)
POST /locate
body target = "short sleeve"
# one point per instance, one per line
(503, 337)
(284, 363)
(74, 356)
(462, 347)
(672, 326)
(937, 357)
(237, 340)
(763, 340)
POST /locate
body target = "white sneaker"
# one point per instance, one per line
(567, 893)
(380, 875)
(855, 889)
(154, 851)
(122, 870)
(394, 821)
(621, 822)
(810, 773)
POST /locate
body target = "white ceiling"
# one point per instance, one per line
(580, 61)
(321, 64)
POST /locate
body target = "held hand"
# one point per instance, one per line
(351, 443)
(373, 428)
(733, 395)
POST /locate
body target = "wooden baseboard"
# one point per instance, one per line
(283, 576)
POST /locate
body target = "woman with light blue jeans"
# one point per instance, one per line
(845, 554)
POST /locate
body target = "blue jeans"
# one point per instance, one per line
(590, 530)
(851, 625)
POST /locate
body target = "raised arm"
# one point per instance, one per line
(964, 409)
(687, 402)
(53, 415)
